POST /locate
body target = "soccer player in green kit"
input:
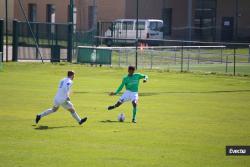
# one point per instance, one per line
(131, 82)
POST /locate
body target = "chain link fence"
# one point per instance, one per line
(230, 58)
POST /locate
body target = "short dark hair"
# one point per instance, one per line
(131, 68)
(70, 73)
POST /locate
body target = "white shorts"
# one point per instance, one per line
(65, 104)
(129, 96)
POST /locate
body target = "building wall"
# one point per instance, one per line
(244, 19)
(227, 8)
(109, 10)
(228, 11)
(179, 18)
(148, 9)
(61, 9)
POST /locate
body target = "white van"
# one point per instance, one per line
(124, 30)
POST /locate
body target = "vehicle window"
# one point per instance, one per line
(141, 25)
(117, 25)
(155, 26)
(127, 25)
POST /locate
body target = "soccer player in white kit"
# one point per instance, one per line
(62, 99)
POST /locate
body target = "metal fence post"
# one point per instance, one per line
(234, 61)
(119, 54)
(151, 61)
(175, 58)
(221, 55)
(182, 57)
(70, 42)
(226, 63)
(199, 55)
(15, 40)
(126, 57)
(37, 39)
(249, 55)
(97, 41)
(1, 37)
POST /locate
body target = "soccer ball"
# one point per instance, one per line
(121, 117)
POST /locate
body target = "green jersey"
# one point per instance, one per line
(131, 82)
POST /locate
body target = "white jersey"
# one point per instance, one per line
(63, 90)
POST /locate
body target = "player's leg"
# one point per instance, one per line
(134, 103)
(123, 98)
(69, 106)
(115, 106)
(47, 112)
(134, 98)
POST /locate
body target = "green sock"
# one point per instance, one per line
(134, 112)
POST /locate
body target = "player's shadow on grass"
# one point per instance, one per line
(42, 127)
(112, 121)
(80, 92)
(149, 94)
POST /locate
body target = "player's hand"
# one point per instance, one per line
(112, 94)
(144, 81)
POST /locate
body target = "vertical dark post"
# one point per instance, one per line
(249, 54)
(182, 48)
(15, 40)
(71, 14)
(6, 30)
(70, 31)
(1, 36)
(188, 61)
(226, 63)
(199, 54)
(236, 18)
(56, 33)
(97, 34)
(234, 61)
(70, 42)
(137, 27)
(221, 55)
(37, 38)
(190, 9)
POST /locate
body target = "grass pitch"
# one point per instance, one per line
(184, 119)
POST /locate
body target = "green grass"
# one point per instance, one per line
(184, 119)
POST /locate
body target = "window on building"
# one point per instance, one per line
(32, 12)
(205, 19)
(51, 9)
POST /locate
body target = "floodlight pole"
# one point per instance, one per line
(236, 18)
(95, 15)
(137, 27)
(190, 8)
(71, 19)
(6, 30)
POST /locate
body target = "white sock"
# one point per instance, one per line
(47, 112)
(75, 116)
